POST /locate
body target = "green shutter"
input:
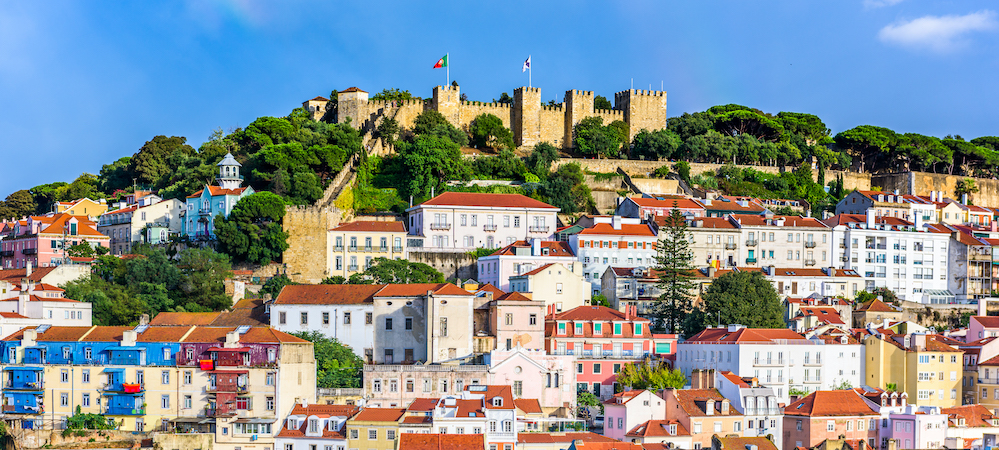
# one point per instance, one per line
(617, 328)
(662, 347)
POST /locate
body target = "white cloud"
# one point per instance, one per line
(937, 33)
(880, 3)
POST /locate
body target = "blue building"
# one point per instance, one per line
(201, 207)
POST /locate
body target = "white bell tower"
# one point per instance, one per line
(229, 177)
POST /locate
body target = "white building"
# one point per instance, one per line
(315, 427)
(614, 242)
(890, 252)
(341, 311)
(781, 241)
(779, 358)
(479, 409)
(463, 221)
(759, 404)
(151, 220)
(521, 257)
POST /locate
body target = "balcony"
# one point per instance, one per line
(730, 246)
(809, 262)
(30, 251)
(352, 248)
(490, 227)
(810, 244)
(750, 260)
(124, 411)
(127, 388)
(24, 386)
(220, 412)
(396, 249)
(338, 248)
(768, 362)
(7, 253)
(382, 249)
(751, 243)
(538, 229)
(352, 267)
(440, 226)
(367, 248)
(844, 258)
(22, 409)
(842, 245)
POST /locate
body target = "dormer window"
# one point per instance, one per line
(497, 401)
(672, 430)
(579, 328)
(313, 425)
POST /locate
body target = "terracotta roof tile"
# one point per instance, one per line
(379, 415)
(694, 401)
(667, 201)
(327, 294)
(216, 191)
(552, 438)
(875, 305)
(973, 415)
(823, 314)
(742, 443)
(528, 405)
(609, 446)
(987, 321)
(830, 403)
(555, 248)
(734, 379)
(422, 441)
(423, 404)
(789, 221)
(352, 89)
(486, 200)
(319, 98)
(184, 318)
(514, 296)
(745, 335)
(325, 410)
(658, 428)
(413, 290)
(704, 222)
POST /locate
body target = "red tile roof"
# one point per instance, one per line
(488, 287)
(552, 438)
(875, 305)
(608, 446)
(324, 410)
(694, 401)
(987, 321)
(789, 221)
(668, 202)
(423, 404)
(538, 270)
(505, 393)
(627, 229)
(423, 441)
(734, 379)
(184, 318)
(352, 89)
(823, 314)
(327, 294)
(486, 200)
(773, 335)
(595, 314)
(555, 248)
(514, 296)
(319, 98)
(413, 290)
(216, 191)
(742, 443)
(623, 397)
(973, 415)
(528, 405)
(11, 315)
(658, 428)
(704, 222)
(372, 226)
(830, 403)
(379, 415)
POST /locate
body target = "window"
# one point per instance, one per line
(372, 434)
(166, 354)
(64, 375)
(64, 399)
(830, 425)
(187, 402)
(518, 388)
(596, 368)
(388, 324)
(269, 380)
(88, 353)
(165, 377)
(165, 402)
(368, 318)
(346, 318)
(326, 318)
(558, 288)
(85, 375)
(270, 403)
(444, 326)
(187, 377)
(533, 319)
(282, 319)
(508, 318)
(409, 323)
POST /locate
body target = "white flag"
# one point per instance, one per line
(527, 64)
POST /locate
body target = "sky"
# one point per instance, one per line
(83, 83)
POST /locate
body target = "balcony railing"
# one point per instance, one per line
(538, 229)
(25, 386)
(750, 260)
(382, 249)
(29, 251)
(809, 262)
(730, 246)
(489, 227)
(352, 267)
(396, 248)
(22, 409)
(810, 244)
(440, 226)
(352, 248)
(844, 258)
(338, 248)
(124, 411)
(751, 243)
(367, 248)
(7, 253)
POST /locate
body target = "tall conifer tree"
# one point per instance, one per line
(674, 261)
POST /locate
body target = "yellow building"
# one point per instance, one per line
(82, 207)
(375, 428)
(355, 245)
(926, 366)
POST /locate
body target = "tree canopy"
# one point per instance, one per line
(337, 365)
(253, 231)
(745, 298)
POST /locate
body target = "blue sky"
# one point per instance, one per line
(83, 83)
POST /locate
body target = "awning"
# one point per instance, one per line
(223, 349)
(204, 421)
(187, 420)
(32, 368)
(254, 420)
(938, 293)
(113, 370)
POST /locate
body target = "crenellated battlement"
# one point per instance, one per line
(396, 103)
(609, 112)
(642, 92)
(579, 92)
(486, 104)
(528, 89)
(557, 107)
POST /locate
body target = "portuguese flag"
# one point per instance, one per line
(441, 62)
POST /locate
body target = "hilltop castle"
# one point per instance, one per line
(530, 121)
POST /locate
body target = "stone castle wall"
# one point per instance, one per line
(308, 228)
(530, 121)
(921, 183)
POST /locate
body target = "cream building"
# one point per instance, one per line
(81, 207)
(557, 284)
(716, 239)
(355, 245)
(924, 364)
(152, 221)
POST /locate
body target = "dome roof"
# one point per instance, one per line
(229, 161)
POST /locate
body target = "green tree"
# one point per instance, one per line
(203, 285)
(504, 99)
(84, 186)
(17, 205)
(869, 143)
(400, 271)
(653, 377)
(488, 130)
(540, 161)
(674, 263)
(601, 102)
(689, 125)
(591, 138)
(586, 400)
(253, 232)
(88, 421)
(429, 161)
(149, 165)
(965, 186)
(655, 145)
(388, 130)
(112, 304)
(392, 94)
(600, 300)
(682, 169)
(115, 176)
(808, 126)
(337, 365)
(745, 298)
(566, 189)
(274, 285)
(433, 123)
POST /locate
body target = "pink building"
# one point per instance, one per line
(40, 240)
(602, 340)
(825, 415)
(533, 374)
(626, 410)
(515, 321)
(980, 327)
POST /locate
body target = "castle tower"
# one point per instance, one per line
(229, 177)
(578, 106)
(526, 116)
(316, 107)
(447, 101)
(352, 103)
(642, 109)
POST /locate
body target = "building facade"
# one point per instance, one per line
(201, 208)
(151, 221)
(355, 245)
(462, 221)
(42, 241)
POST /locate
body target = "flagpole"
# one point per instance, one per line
(530, 72)
(447, 69)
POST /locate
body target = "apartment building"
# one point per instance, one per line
(926, 364)
(355, 245)
(92, 209)
(201, 207)
(315, 427)
(602, 340)
(970, 426)
(758, 405)
(614, 242)
(626, 411)
(668, 433)
(875, 311)
(890, 252)
(522, 257)
(722, 206)
(826, 414)
(479, 409)
(228, 382)
(650, 208)
(715, 241)
(561, 285)
(888, 204)
(464, 221)
(150, 221)
(704, 412)
(782, 241)
(41, 241)
(36, 304)
(813, 282)
(625, 287)
(969, 264)
(778, 358)
(375, 428)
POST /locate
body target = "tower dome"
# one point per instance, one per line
(229, 177)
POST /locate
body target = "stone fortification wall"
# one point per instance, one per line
(308, 249)
(452, 265)
(642, 109)
(551, 126)
(468, 111)
(404, 111)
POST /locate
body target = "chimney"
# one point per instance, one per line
(305, 402)
(933, 196)
(706, 202)
(128, 338)
(627, 312)
(993, 225)
(616, 222)
(896, 191)
(711, 271)
(771, 270)
(903, 399)
(964, 198)
(29, 338)
(536, 247)
(919, 221)
(831, 271)
(27, 268)
(22, 302)
(870, 218)
(144, 319)
(231, 339)
(919, 341)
